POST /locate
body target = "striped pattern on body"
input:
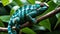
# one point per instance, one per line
(18, 17)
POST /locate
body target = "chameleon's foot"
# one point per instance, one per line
(34, 20)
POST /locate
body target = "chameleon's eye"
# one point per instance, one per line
(44, 4)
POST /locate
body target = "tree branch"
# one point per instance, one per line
(38, 20)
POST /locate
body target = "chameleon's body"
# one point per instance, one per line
(23, 14)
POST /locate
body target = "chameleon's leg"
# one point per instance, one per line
(11, 24)
(17, 28)
(17, 25)
(31, 15)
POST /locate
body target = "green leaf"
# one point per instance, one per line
(13, 10)
(5, 18)
(46, 24)
(28, 31)
(6, 2)
(53, 21)
(58, 22)
(43, 0)
(38, 27)
(31, 1)
(56, 1)
(19, 2)
(3, 33)
(1, 23)
(58, 15)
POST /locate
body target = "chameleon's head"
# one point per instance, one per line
(42, 5)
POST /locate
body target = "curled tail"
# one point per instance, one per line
(13, 22)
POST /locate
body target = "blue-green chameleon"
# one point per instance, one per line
(24, 14)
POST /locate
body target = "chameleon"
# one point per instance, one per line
(24, 14)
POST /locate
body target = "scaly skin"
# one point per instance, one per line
(23, 14)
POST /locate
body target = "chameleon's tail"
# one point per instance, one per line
(12, 31)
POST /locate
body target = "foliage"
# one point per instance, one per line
(51, 24)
